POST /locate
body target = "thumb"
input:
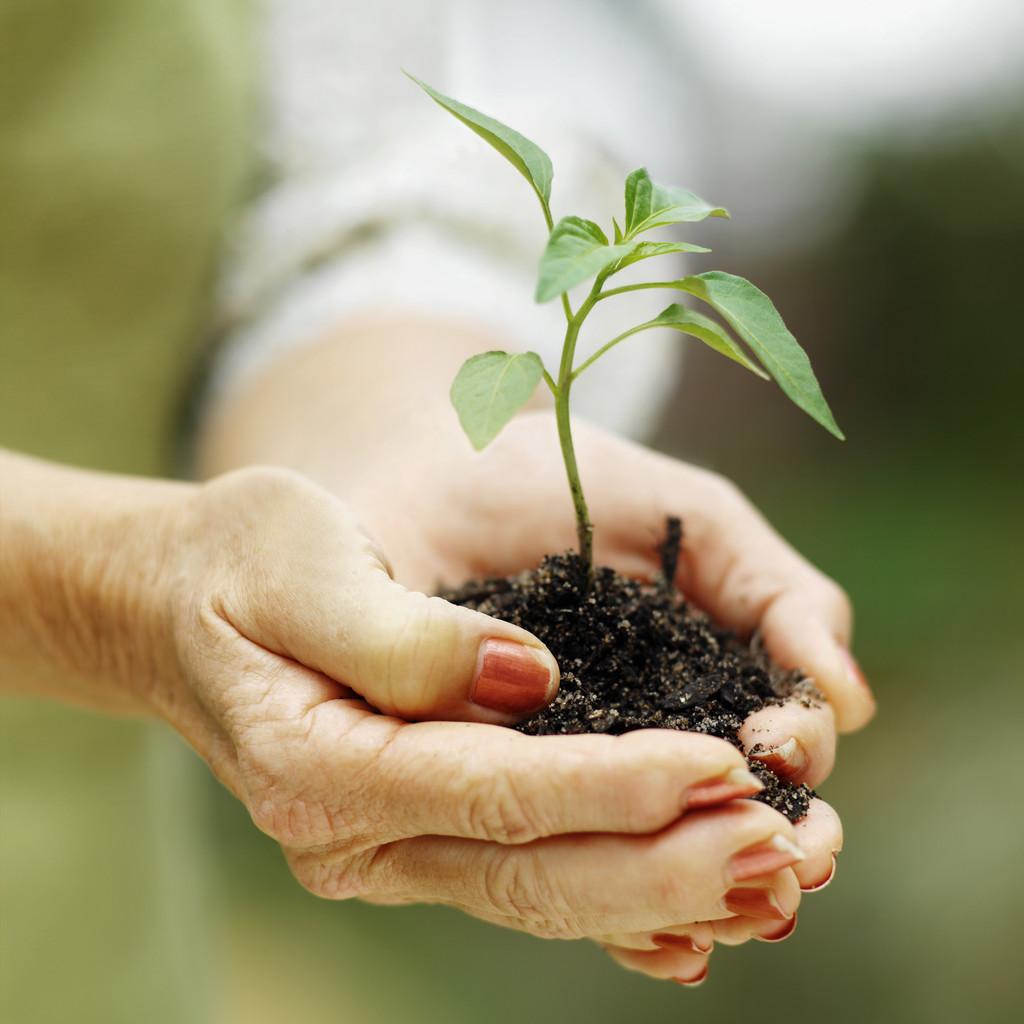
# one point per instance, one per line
(407, 654)
(316, 589)
(421, 657)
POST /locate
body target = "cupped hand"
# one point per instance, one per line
(278, 633)
(682, 953)
(440, 516)
(446, 514)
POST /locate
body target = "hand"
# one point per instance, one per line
(252, 614)
(280, 616)
(440, 506)
(734, 566)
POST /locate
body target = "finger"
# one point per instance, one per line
(773, 898)
(747, 577)
(798, 636)
(796, 740)
(690, 969)
(421, 657)
(487, 782)
(820, 836)
(578, 886)
(735, 931)
(316, 768)
(698, 937)
(333, 607)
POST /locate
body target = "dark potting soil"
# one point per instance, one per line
(638, 656)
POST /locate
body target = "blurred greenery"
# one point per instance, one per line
(909, 307)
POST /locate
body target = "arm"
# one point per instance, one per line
(74, 577)
(367, 395)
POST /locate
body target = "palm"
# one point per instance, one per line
(501, 511)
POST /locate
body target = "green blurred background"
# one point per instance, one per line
(901, 275)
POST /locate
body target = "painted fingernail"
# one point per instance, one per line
(681, 943)
(760, 903)
(693, 982)
(513, 678)
(732, 785)
(788, 760)
(782, 933)
(816, 886)
(764, 859)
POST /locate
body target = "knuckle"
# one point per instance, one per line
(294, 822)
(265, 794)
(279, 806)
(266, 816)
(261, 482)
(511, 885)
(339, 878)
(306, 793)
(402, 650)
(515, 885)
(497, 811)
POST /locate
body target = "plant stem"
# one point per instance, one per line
(584, 527)
(606, 346)
(550, 221)
(639, 287)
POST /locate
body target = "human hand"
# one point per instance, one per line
(282, 623)
(447, 514)
(734, 565)
(253, 614)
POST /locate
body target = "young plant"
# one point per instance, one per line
(491, 387)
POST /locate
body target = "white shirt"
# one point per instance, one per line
(378, 199)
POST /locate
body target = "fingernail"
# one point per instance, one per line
(681, 943)
(817, 886)
(733, 785)
(783, 933)
(513, 678)
(759, 903)
(788, 760)
(764, 859)
(693, 982)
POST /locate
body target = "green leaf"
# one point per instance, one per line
(756, 320)
(576, 250)
(617, 230)
(649, 205)
(689, 321)
(645, 250)
(490, 389)
(527, 157)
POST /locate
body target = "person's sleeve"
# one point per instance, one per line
(378, 201)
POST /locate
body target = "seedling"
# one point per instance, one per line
(491, 387)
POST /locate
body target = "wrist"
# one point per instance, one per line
(84, 559)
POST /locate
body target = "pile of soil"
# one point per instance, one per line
(638, 656)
